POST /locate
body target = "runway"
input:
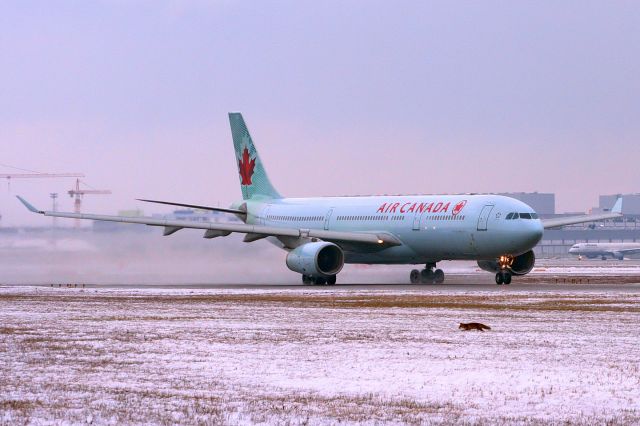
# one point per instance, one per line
(454, 284)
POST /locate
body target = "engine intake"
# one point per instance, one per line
(518, 265)
(320, 259)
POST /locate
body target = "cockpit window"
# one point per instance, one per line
(515, 215)
(509, 216)
(525, 215)
(534, 215)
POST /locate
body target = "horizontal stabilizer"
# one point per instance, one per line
(195, 206)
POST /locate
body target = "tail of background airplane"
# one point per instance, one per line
(254, 181)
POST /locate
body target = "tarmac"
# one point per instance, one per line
(456, 284)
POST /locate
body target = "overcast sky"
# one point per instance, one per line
(341, 97)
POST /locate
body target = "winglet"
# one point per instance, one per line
(617, 207)
(28, 205)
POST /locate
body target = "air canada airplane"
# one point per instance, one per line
(322, 234)
(602, 250)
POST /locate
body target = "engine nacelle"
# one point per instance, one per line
(519, 265)
(320, 259)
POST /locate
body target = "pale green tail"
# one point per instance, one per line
(254, 181)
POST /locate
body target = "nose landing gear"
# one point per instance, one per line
(427, 275)
(503, 276)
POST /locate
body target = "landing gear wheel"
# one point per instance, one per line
(438, 276)
(414, 277)
(507, 278)
(306, 279)
(499, 278)
(332, 280)
(320, 281)
(426, 276)
(604, 257)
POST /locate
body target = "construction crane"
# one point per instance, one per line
(9, 176)
(31, 174)
(78, 193)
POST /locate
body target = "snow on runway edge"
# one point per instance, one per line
(251, 356)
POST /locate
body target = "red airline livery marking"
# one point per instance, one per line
(432, 207)
(246, 166)
(458, 207)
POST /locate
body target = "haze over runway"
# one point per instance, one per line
(487, 97)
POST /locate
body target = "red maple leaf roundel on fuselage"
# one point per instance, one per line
(246, 166)
(458, 207)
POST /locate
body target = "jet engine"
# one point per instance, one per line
(517, 265)
(319, 259)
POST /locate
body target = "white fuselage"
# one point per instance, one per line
(431, 227)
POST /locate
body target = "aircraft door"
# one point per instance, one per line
(417, 218)
(484, 217)
(327, 218)
(265, 214)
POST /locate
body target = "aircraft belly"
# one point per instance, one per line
(392, 255)
(449, 244)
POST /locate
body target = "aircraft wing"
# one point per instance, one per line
(616, 211)
(629, 251)
(254, 232)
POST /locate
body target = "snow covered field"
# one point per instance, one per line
(317, 356)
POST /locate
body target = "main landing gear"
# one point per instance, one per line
(311, 280)
(427, 275)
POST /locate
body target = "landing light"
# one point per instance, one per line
(380, 241)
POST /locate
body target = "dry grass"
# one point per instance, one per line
(514, 301)
(151, 358)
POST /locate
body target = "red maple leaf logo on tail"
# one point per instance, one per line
(246, 166)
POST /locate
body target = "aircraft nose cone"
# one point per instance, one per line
(537, 231)
(532, 233)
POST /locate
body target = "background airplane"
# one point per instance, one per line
(603, 250)
(322, 234)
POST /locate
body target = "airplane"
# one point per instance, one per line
(321, 234)
(602, 250)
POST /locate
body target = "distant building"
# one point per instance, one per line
(198, 216)
(182, 214)
(131, 213)
(543, 203)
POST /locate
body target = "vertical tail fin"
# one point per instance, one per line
(254, 181)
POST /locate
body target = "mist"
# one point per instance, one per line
(138, 256)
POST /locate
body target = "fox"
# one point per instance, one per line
(473, 326)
